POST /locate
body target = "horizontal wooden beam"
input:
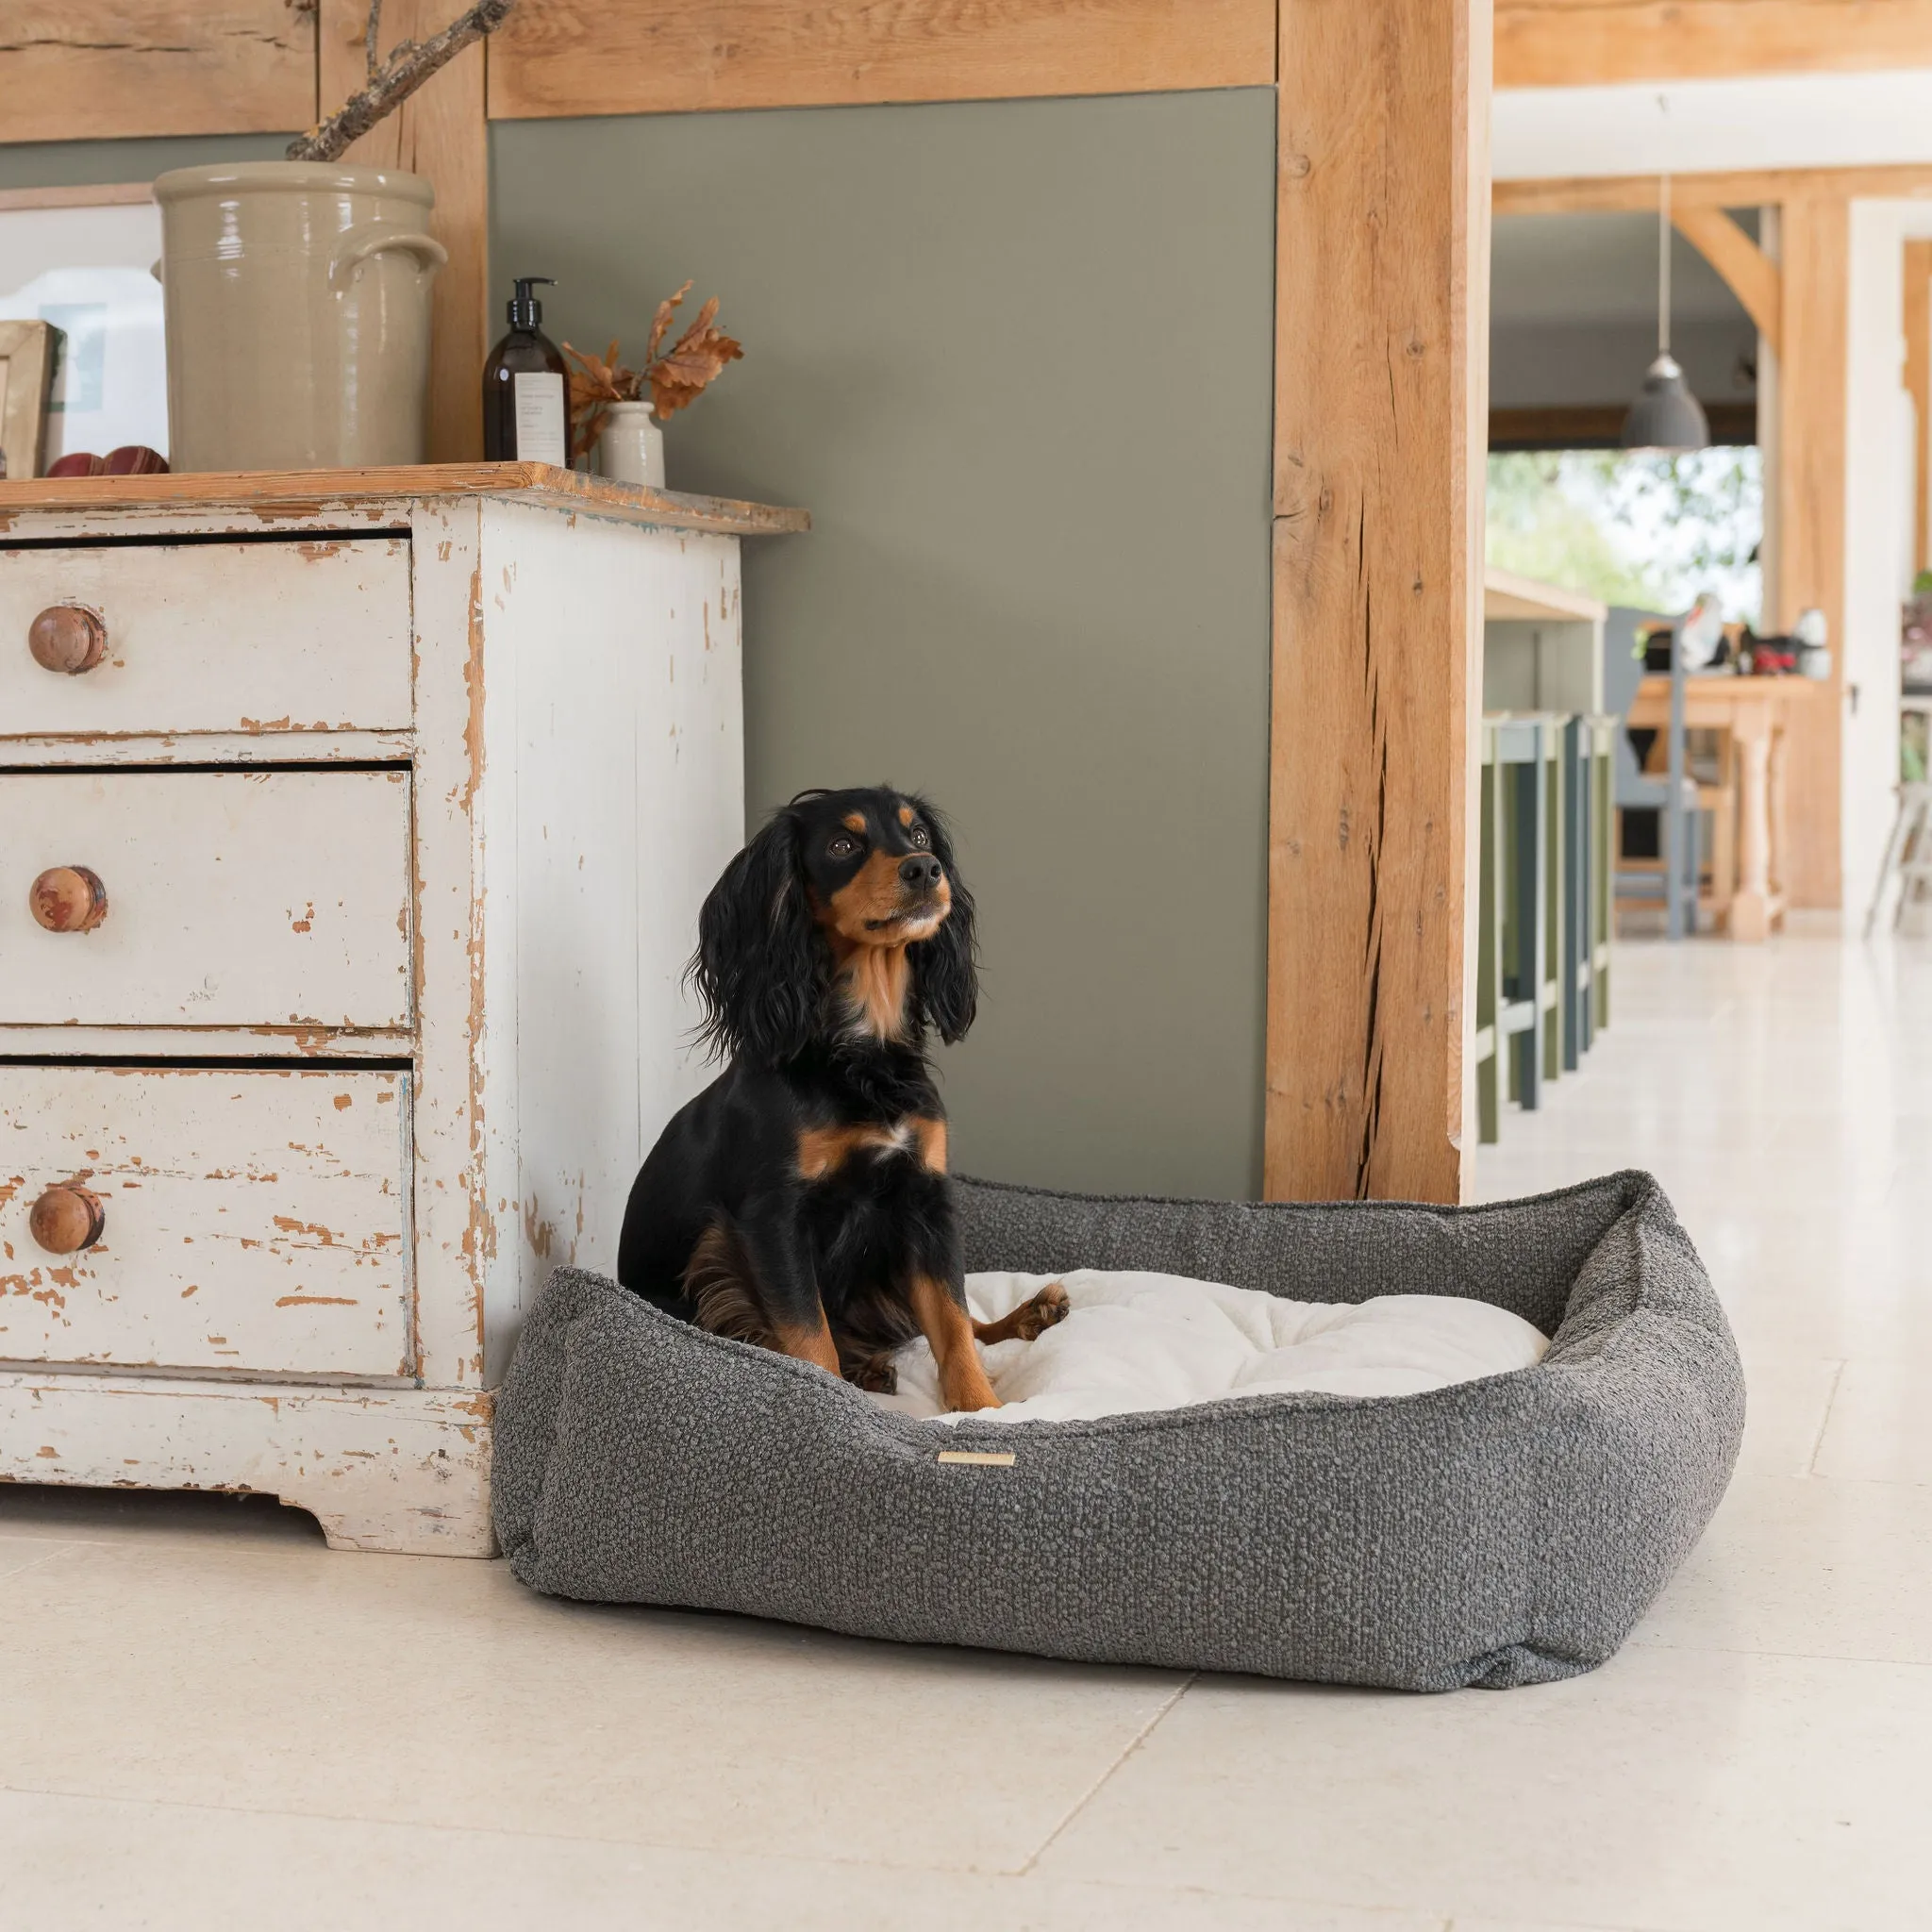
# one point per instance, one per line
(1750, 274)
(592, 56)
(1587, 42)
(86, 70)
(1600, 426)
(1752, 188)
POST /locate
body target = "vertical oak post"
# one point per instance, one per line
(1918, 324)
(439, 132)
(1815, 254)
(1380, 427)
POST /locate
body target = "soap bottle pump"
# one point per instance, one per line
(525, 410)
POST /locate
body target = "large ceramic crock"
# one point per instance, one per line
(297, 315)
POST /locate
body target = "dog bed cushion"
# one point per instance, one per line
(1499, 1532)
(1133, 1341)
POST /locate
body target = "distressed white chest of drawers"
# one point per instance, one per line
(353, 829)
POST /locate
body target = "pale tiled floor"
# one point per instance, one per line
(207, 1720)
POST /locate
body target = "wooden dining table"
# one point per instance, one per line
(1756, 711)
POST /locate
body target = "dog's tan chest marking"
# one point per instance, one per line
(823, 1151)
(877, 979)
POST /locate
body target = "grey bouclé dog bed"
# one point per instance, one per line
(1500, 1532)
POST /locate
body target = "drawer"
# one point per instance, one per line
(242, 898)
(248, 1219)
(310, 636)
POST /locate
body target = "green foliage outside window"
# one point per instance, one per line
(1628, 528)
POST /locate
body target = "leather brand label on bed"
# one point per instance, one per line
(982, 1458)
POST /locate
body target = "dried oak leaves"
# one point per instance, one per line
(676, 378)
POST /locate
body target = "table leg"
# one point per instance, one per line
(1778, 826)
(1751, 909)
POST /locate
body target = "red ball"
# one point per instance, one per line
(136, 460)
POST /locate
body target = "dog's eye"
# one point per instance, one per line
(921, 837)
(843, 846)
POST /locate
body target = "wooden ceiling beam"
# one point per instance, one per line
(588, 57)
(1750, 274)
(85, 69)
(1750, 187)
(1595, 43)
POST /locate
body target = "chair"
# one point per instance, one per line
(1637, 790)
(1908, 853)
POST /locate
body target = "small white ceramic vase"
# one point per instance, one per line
(630, 446)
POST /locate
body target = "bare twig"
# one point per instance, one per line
(370, 36)
(399, 76)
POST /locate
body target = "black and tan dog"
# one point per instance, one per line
(801, 1201)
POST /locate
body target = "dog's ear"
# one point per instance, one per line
(759, 967)
(945, 977)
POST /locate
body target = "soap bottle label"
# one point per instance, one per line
(540, 419)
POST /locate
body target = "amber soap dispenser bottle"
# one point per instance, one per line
(525, 414)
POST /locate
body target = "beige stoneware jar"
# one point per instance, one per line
(297, 315)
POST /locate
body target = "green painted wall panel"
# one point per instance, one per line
(1015, 358)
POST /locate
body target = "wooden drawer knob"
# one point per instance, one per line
(67, 1218)
(68, 898)
(69, 638)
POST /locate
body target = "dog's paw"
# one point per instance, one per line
(1046, 1308)
(876, 1375)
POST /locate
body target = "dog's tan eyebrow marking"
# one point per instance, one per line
(905, 814)
(853, 821)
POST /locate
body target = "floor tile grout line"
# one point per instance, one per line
(993, 1874)
(20, 1570)
(1838, 1375)
(694, 1848)
(1802, 1657)
(1093, 1789)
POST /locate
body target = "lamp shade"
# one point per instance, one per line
(1666, 416)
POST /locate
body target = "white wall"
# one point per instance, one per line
(1770, 121)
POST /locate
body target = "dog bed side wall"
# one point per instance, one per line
(1524, 1255)
(1498, 1532)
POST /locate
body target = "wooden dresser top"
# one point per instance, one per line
(269, 493)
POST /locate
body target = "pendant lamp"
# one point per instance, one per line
(1665, 417)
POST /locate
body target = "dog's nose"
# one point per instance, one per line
(920, 871)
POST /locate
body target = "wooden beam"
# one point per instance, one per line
(109, 194)
(590, 56)
(1752, 188)
(439, 132)
(1918, 327)
(1382, 277)
(1750, 274)
(1593, 42)
(1815, 255)
(1600, 426)
(91, 70)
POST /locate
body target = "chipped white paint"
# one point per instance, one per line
(405, 1469)
(568, 775)
(208, 748)
(210, 1043)
(627, 807)
(254, 1220)
(301, 636)
(242, 898)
